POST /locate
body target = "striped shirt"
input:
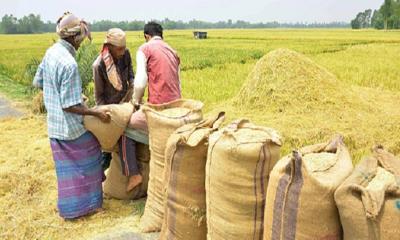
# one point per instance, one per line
(58, 75)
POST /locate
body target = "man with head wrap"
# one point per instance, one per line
(112, 70)
(113, 81)
(76, 152)
(72, 28)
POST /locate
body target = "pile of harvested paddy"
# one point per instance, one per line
(38, 103)
(307, 104)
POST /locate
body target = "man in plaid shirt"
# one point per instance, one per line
(76, 152)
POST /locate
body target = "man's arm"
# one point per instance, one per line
(141, 77)
(38, 79)
(83, 110)
(70, 95)
(98, 85)
(131, 74)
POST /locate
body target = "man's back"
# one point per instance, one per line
(58, 74)
(163, 71)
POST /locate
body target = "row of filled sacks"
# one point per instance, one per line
(215, 179)
(234, 203)
(300, 202)
(314, 193)
(231, 165)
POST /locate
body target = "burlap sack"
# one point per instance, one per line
(115, 184)
(185, 173)
(108, 134)
(240, 158)
(300, 198)
(369, 200)
(162, 121)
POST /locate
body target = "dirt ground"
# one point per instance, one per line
(7, 110)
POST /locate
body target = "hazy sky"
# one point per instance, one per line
(208, 10)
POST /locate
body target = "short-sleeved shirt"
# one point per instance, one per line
(59, 77)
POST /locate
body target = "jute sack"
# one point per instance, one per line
(300, 199)
(185, 173)
(115, 184)
(108, 134)
(369, 200)
(162, 121)
(240, 158)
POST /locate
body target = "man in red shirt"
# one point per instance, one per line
(157, 68)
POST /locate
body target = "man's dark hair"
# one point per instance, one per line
(153, 29)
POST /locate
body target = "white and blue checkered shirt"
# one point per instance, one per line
(58, 75)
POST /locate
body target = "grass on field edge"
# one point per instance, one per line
(16, 92)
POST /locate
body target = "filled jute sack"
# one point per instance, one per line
(300, 198)
(162, 121)
(240, 158)
(108, 134)
(369, 200)
(185, 173)
(116, 181)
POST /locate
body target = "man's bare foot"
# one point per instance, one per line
(134, 181)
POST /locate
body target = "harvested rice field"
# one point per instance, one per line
(307, 84)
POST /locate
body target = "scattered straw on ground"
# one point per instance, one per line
(28, 190)
(307, 104)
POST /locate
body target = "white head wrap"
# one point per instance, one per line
(116, 37)
(69, 25)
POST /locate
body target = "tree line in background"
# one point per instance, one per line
(34, 24)
(386, 17)
(27, 24)
(104, 25)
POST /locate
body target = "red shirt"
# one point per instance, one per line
(162, 70)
